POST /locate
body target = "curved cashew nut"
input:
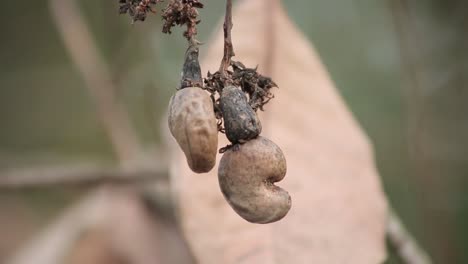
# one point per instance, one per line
(246, 176)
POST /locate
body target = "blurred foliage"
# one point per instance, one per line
(47, 115)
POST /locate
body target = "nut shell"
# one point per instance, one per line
(192, 123)
(246, 175)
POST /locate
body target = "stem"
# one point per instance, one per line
(228, 47)
(77, 175)
(82, 48)
(403, 243)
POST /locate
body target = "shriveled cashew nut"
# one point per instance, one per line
(246, 176)
(193, 124)
(240, 120)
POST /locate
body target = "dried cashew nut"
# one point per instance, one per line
(240, 120)
(193, 124)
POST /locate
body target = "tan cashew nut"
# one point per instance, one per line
(246, 176)
(193, 124)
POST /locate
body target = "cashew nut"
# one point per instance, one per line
(193, 124)
(246, 176)
(240, 120)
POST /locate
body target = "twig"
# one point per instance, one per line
(129, 228)
(53, 243)
(228, 46)
(401, 241)
(76, 175)
(84, 53)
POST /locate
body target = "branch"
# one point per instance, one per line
(228, 47)
(76, 175)
(401, 241)
(131, 231)
(84, 53)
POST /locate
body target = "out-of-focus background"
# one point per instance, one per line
(401, 66)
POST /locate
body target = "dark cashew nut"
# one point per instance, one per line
(240, 120)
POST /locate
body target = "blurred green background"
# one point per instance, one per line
(400, 65)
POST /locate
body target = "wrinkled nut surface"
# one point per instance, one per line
(193, 124)
(241, 123)
(246, 176)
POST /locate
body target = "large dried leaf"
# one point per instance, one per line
(339, 211)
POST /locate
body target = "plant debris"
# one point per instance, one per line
(255, 85)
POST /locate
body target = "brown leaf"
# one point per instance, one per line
(339, 210)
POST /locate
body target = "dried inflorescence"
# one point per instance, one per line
(177, 12)
(182, 12)
(137, 9)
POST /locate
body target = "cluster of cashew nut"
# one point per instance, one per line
(252, 164)
(250, 167)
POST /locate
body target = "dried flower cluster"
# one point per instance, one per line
(182, 12)
(177, 12)
(137, 9)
